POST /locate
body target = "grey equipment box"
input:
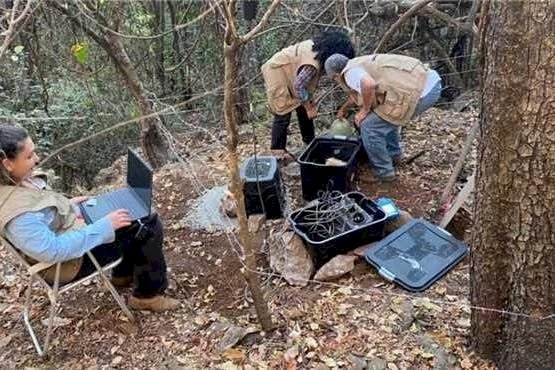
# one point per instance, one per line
(416, 255)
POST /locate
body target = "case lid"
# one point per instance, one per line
(266, 166)
(416, 255)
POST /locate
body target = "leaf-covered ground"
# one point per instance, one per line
(359, 321)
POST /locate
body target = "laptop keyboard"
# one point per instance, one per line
(120, 199)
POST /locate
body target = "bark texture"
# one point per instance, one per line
(513, 257)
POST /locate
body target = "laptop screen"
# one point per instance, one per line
(139, 177)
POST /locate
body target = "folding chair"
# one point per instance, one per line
(54, 289)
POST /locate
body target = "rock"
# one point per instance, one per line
(360, 251)
(359, 363)
(256, 222)
(231, 337)
(289, 257)
(292, 170)
(336, 267)
(376, 364)
(257, 229)
(443, 359)
(228, 205)
(403, 218)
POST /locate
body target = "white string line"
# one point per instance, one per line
(366, 289)
(198, 183)
(374, 290)
(369, 290)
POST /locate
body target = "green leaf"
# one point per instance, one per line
(80, 52)
(18, 49)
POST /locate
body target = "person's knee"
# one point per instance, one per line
(155, 225)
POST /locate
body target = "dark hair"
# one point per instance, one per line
(11, 143)
(11, 138)
(332, 42)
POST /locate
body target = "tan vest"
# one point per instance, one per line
(400, 81)
(19, 200)
(279, 74)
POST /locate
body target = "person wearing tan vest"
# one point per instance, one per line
(291, 77)
(390, 90)
(46, 226)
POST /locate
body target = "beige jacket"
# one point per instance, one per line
(16, 200)
(279, 74)
(400, 82)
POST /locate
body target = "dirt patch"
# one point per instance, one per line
(360, 317)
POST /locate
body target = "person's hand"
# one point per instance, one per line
(311, 110)
(341, 113)
(360, 116)
(79, 199)
(119, 219)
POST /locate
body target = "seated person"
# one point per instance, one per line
(46, 226)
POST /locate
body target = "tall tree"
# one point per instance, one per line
(108, 37)
(233, 43)
(513, 258)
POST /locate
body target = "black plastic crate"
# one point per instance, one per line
(262, 187)
(359, 222)
(316, 176)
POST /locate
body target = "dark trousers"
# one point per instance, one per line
(143, 258)
(281, 123)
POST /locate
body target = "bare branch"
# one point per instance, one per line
(413, 10)
(178, 27)
(15, 19)
(247, 37)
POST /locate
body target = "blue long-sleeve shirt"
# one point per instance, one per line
(31, 233)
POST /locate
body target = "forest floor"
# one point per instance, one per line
(359, 321)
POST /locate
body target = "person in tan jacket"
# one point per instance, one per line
(291, 77)
(46, 226)
(390, 90)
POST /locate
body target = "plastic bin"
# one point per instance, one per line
(262, 187)
(362, 224)
(318, 177)
(416, 255)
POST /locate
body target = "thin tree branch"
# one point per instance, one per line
(413, 10)
(247, 37)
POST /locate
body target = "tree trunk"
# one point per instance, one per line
(253, 280)
(152, 141)
(181, 86)
(159, 27)
(513, 257)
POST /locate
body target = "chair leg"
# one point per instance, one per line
(27, 321)
(117, 297)
(53, 297)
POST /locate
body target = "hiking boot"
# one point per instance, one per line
(157, 303)
(121, 281)
(389, 178)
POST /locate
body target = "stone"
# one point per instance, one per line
(289, 257)
(257, 229)
(376, 364)
(336, 267)
(360, 251)
(228, 205)
(292, 170)
(391, 226)
(256, 222)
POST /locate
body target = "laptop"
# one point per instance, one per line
(136, 197)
